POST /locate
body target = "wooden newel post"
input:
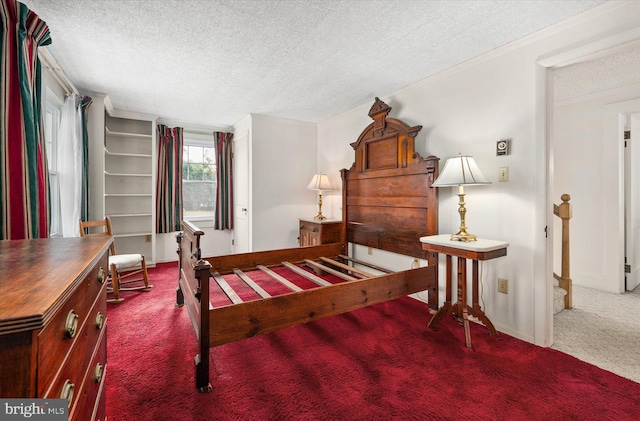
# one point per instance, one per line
(564, 212)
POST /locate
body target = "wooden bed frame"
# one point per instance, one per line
(388, 204)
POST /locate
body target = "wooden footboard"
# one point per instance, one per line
(388, 203)
(244, 319)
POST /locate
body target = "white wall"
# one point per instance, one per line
(283, 161)
(467, 109)
(95, 129)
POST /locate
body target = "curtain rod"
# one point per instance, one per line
(49, 63)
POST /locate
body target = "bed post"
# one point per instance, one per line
(432, 224)
(179, 294)
(202, 271)
(343, 238)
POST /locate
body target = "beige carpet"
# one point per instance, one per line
(603, 329)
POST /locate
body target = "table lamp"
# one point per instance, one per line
(320, 182)
(461, 171)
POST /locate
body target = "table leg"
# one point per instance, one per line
(446, 308)
(463, 308)
(475, 310)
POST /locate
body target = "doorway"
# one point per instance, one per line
(632, 200)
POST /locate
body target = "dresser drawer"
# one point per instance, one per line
(55, 340)
(76, 366)
(309, 227)
(90, 401)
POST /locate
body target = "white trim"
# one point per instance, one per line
(597, 95)
(132, 115)
(592, 50)
(542, 233)
(195, 128)
(50, 64)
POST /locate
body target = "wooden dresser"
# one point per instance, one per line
(314, 233)
(53, 322)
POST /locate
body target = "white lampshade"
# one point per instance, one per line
(460, 171)
(320, 182)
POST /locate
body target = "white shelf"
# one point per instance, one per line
(128, 135)
(128, 183)
(126, 175)
(132, 234)
(127, 195)
(132, 155)
(129, 215)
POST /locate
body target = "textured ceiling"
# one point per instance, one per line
(600, 74)
(214, 62)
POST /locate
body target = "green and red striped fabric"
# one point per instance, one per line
(84, 207)
(24, 180)
(169, 184)
(224, 173)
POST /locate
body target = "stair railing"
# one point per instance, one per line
(563, 211)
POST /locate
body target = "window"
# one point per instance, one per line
(198, 176)
(51, 128)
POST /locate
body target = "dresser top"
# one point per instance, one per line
(36, 275)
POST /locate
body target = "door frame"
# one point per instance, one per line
(632, 279)
(544, 112)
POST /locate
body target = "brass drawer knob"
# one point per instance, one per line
(101, 275)
(99, 320)
(71, 324)
(99, 372)
(67, 392)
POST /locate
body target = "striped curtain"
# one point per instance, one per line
(169, 186)
(224, 178)
(84, 209)
(24, 179)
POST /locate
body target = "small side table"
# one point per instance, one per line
(476, 250)
(313, 232)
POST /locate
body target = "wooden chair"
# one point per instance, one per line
(121, 266)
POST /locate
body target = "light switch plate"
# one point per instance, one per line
(503, 174)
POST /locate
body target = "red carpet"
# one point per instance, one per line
(378, 363)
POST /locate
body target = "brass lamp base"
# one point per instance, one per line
(462, 234)
(319, 216)
(465, 237)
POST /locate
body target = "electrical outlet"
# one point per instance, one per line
(503, 286)
(503, 174)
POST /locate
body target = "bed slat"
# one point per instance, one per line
(347, 267)
(310, 276)
(235, 299)
(360, 262)
(261, 292)
(280, 279)
(330, 270)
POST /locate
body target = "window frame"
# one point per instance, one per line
(53, 106)
(201, 140)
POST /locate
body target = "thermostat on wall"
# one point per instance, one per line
(502, 147)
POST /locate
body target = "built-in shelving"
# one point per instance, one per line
(129, 184)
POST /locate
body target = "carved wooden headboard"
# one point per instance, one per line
(387, 199)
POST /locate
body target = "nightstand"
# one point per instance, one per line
(476, 251)
(313, 232)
